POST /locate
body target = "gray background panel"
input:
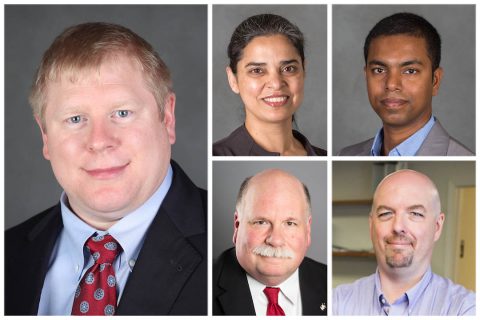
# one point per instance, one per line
(353, 119)
(29, 29)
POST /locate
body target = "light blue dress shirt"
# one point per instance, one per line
(70, 259)
(433, 295)
(408, 147)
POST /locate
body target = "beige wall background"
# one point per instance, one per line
(356, 180)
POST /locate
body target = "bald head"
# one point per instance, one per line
(272, 178)
(408, 180)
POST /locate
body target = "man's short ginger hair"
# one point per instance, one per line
(88, 45)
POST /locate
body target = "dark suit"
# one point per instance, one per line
(437, 143)
(170, 274)
(231, 293)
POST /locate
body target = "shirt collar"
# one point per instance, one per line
(409, 147)
(129, 231)
(290, 288)
(412, 295)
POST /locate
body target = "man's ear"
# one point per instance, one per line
(232, 80)
(43, 131)
(439, 225)
(309, 230)
(236, 223)
(169, 117)
(437, 79)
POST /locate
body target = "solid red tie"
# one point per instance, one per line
(273, 308)
(96, 294)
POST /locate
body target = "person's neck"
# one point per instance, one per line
(393, 136)
(275, 137)
(397, 281)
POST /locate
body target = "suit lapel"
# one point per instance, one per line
(436, 142)
(167, 258)
(164, 265)
(236, 298)
(37, 251)
(313, 287)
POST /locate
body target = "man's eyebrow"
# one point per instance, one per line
(410, 62)
(403, 64)
(417, 207)
(383, 207)
(290, 218)
(377, 63)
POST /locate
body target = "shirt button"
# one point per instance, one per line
(77, 267)
(131, 263)
(383, 300)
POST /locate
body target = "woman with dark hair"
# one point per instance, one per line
(267, 70)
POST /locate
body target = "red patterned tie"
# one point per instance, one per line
(96, 294)
(273, 308)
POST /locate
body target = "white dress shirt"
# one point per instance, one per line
(289, 298)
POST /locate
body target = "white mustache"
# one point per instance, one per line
(269, 251)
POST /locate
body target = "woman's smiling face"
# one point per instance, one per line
(269, 79)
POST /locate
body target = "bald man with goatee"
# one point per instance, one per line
(406, 220)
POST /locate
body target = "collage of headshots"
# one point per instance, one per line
(240, 160)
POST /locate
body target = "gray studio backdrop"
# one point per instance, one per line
(228, 108)
(178, 33)
(353, 119)
(227, 177)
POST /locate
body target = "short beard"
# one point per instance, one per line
(393, 262)
(399, 258)
(272, 252)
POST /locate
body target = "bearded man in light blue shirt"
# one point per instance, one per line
(405, 222)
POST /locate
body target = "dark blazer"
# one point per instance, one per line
(231, 293)
(437, 143)
(170, 274)
(241, 143)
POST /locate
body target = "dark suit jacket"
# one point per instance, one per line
(437, 143)
(170, 274)
(231, 294)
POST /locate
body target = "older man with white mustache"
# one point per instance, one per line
(267, 272)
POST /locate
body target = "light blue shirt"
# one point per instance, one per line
(70, 259)
(408, 147)
(433, 295)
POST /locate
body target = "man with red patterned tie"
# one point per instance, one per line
(267, 272)
(129, 234)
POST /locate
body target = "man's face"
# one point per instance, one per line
(274, 217)
(106, 141)
(405, 222)
(399, 80)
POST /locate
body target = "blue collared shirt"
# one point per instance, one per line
(432, 295)
(408, 147)
(70, 259)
